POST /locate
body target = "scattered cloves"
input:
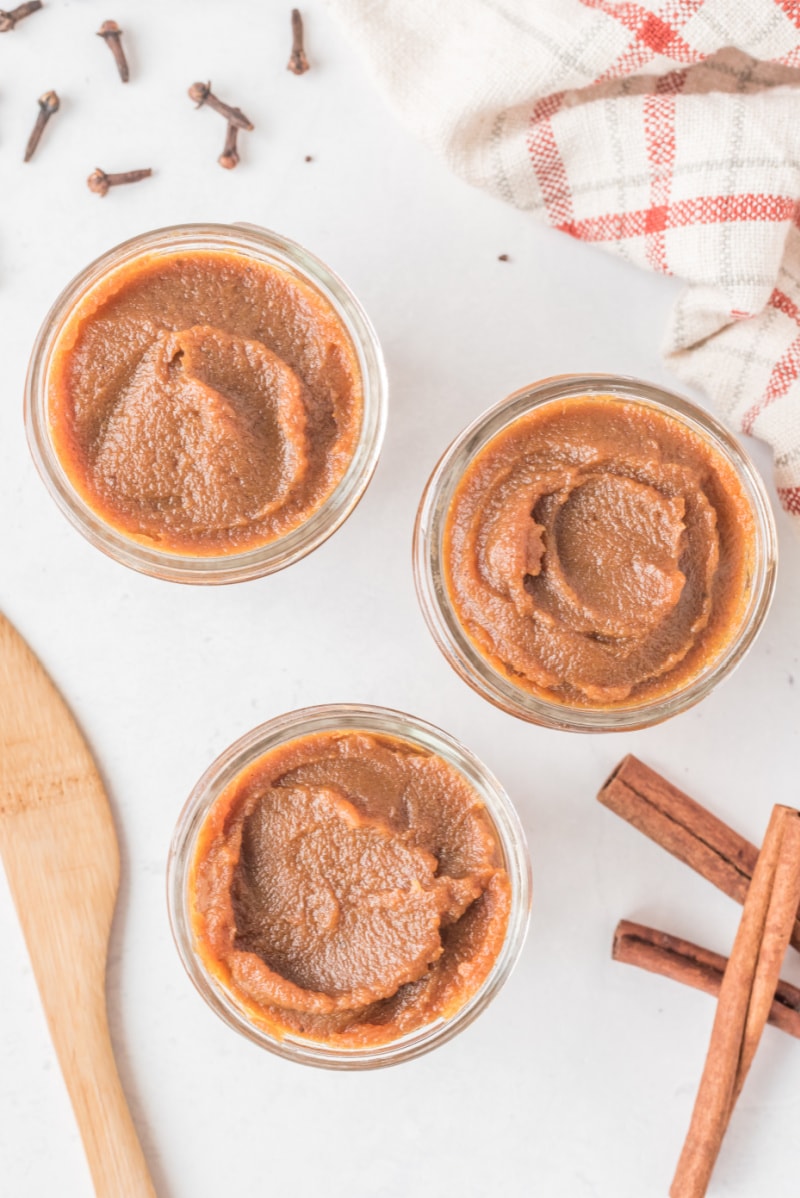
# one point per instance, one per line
(99, 182)
(298, 63)
(229, 158)
(9, 19)
(48, 104)
(201, 93)
(111, 34)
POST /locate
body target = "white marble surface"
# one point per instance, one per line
(579, 1080)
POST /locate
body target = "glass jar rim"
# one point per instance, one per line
(348, 717)
(294, 259)
(440, 615)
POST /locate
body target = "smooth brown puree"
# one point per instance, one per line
(349, 888)
(598, 552)
(204, 402)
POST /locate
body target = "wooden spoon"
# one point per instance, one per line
(60, 852)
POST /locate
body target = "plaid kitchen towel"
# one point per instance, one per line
(668, 132)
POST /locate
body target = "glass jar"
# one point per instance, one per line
(338, 718)
(277, 251)
(439, 611)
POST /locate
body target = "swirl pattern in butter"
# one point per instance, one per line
(204, 402)
(597, 552)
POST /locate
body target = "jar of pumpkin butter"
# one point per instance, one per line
(348, 886)
(206, 403)
(594, 553)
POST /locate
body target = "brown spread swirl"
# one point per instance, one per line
(597, 552)
(204, 402)
(349, 888)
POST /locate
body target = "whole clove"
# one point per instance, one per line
(111, 34)
(48, 104)
(229, 158)
(201, 93)
(298, 63)
(503, 258)
(99, 182)
(8, 20)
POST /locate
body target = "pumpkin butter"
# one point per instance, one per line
(348, 888)
(204, 402)
(598, 552)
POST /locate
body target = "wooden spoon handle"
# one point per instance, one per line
(115, 1157)
(62, 873)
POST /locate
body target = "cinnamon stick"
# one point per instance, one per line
(745, 997)
(672, 957)
(680, 825)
